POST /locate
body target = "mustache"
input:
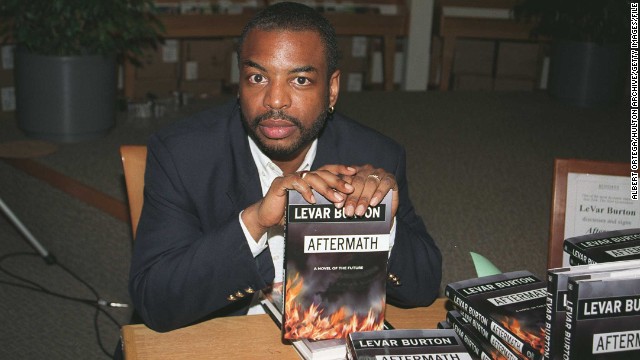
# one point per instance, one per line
(276, 114)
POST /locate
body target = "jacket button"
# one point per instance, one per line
(239, 294)
(249, 290)
(231, 298)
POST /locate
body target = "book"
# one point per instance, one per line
(604, 246)
(476, 343)
(406, 344)
(602, 316)
(308, 349)
(444, 324)
(557, 280)
(329, 349)
(335, 269)
(511, 305)
(488, 335)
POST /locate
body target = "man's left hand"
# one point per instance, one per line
(370, 187)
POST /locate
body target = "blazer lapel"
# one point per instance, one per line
(246, 189)
(327, 148)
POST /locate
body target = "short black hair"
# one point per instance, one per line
(295, 17)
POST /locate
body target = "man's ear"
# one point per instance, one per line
(334, 87)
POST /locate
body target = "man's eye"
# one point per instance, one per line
(256, 79)
(302, 81)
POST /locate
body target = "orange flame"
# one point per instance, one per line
(314, 324)
(536, 340)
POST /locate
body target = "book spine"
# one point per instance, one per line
(549, 316)
(497, 329)
(351, 352)
(575, 251)
(570, 321)
(503, 349)
(491, 338)
(472, 342)
(574, 261)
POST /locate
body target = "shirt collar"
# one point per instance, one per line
(263, 163)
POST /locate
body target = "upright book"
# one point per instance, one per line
(329, 349)
(557, 280)
(406, 344)
(603, 316)
(511, 305)
(604, 247)
(335, 269)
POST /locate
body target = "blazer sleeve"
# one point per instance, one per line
(181, 274)
(415, 258)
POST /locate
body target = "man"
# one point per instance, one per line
(216, 184)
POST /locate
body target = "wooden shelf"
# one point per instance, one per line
(451, 28)
(388, 27)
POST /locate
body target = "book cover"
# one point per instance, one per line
(511, 305)
(605, 246)
(328, 349)
(335, 269)
(477, 344)
(602, 317)
(444, 324)
(557, 280)
(406, 344)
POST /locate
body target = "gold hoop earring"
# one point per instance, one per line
(331, 109)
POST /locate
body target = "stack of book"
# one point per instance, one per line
(500, 316)
(406, 345)
(585, 311)
(594, 304)
(603, 247)
(593, 311)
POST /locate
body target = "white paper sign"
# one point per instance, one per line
(191, 70)
(7, 56)
(8, 98)
(170, 51)
(598, 203)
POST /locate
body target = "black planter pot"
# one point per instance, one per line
(587, 74)
(65, 98)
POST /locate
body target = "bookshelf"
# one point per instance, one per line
(489, 19)
(197, 26)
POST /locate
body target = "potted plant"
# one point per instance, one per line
(587, 53)
(66, 59)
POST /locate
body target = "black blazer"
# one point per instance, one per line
(190, 253)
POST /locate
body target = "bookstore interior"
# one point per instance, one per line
(482, 50)
(587, 306)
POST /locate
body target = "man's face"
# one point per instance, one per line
(284, 91)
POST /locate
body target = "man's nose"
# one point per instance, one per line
(277, 96)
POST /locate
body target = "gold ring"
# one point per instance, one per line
(374, 176)
(302, 174)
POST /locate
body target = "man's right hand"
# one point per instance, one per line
(269, 211)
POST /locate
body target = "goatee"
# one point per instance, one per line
(283, 153)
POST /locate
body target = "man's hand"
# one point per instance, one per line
(329, 181)
(370, 186)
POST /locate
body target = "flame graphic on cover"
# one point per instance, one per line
(534, 336)
(315, 324)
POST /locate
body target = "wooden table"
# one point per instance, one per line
(246, 337)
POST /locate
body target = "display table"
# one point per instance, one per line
(246, 337)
